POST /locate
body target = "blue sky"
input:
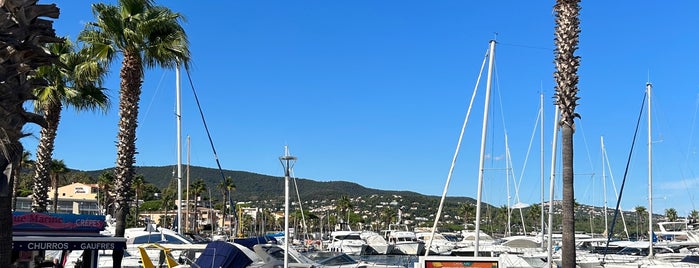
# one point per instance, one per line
(375, 92)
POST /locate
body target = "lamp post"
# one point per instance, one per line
(287, 162)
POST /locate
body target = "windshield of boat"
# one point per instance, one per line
(342, 259)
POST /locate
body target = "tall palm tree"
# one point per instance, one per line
(671, 214)
(24, 162)
(104, 182)
(534, 214)
(694, 214)
(640, 211)
(22, 54)
(56, 170)
(197, 188)
(344, 205)
(137, 186)
(146, 36)
(226, 186)
(567, 37)
(76, 82)
(468, 210)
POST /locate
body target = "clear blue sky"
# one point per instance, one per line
(375, 92)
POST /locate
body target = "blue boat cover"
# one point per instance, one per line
(222, 254)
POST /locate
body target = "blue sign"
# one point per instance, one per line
(53, 222)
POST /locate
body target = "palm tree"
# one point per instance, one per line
(567, 37)
(344, 205)
(534, 214)
(197, 188)
(694, 214)
(671, 214)
(24, 162)
(467, 209)
(76, 82)
(226, 186)
(146, 36)
(640, 211)
(137, 186)
(105, 181)
(57, 169)
(22, 54)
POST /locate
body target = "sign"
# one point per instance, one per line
(457, 262)
(23, 243)
(465, 264)
(73, 245)
(54, 222)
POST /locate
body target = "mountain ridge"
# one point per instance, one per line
(254, 187)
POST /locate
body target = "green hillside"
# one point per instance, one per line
(254, 187)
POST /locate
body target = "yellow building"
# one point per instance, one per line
(77, 190)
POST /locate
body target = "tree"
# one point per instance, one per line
(197, 188)
(693, 215)
(57, 169)
(137, 186)
(226, 186)
(146, 36)
(640, 212)
(534, 214)
(671, 214)
(344, 205)
(24, 162)
(567, 37)
(468, 210)
(104, 182)
(24, 33)
(75, 82)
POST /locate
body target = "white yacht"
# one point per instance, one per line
(348, 242)
(403, 240)
(440, 245)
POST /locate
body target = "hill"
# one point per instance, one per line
(256, 187)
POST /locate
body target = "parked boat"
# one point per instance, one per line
(403, 240)
(349, 242)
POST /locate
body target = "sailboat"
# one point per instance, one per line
(648, 253)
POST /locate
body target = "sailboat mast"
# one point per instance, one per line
(484, 133)
(541, 137)
(552, 180)
(287, 163)
(649, 86)
(179, 148)
(604, 187)
(187, 195)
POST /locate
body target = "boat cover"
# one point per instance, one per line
(222, 254)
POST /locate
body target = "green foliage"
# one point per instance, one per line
(152, 205)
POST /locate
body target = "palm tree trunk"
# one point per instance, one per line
(131, 74)
(136, 218)
(567, 33)
(5, 195)
(54, 184)
(15, 183)
(44, 152)
(568, 212)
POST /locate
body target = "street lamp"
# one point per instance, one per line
(288, 162)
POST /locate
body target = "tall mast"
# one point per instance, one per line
(552, 181)
(484, 133)
(287, 163)
(187, 195)
(179, 148)
(541, 137)
(649, 86)
(604, 187)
